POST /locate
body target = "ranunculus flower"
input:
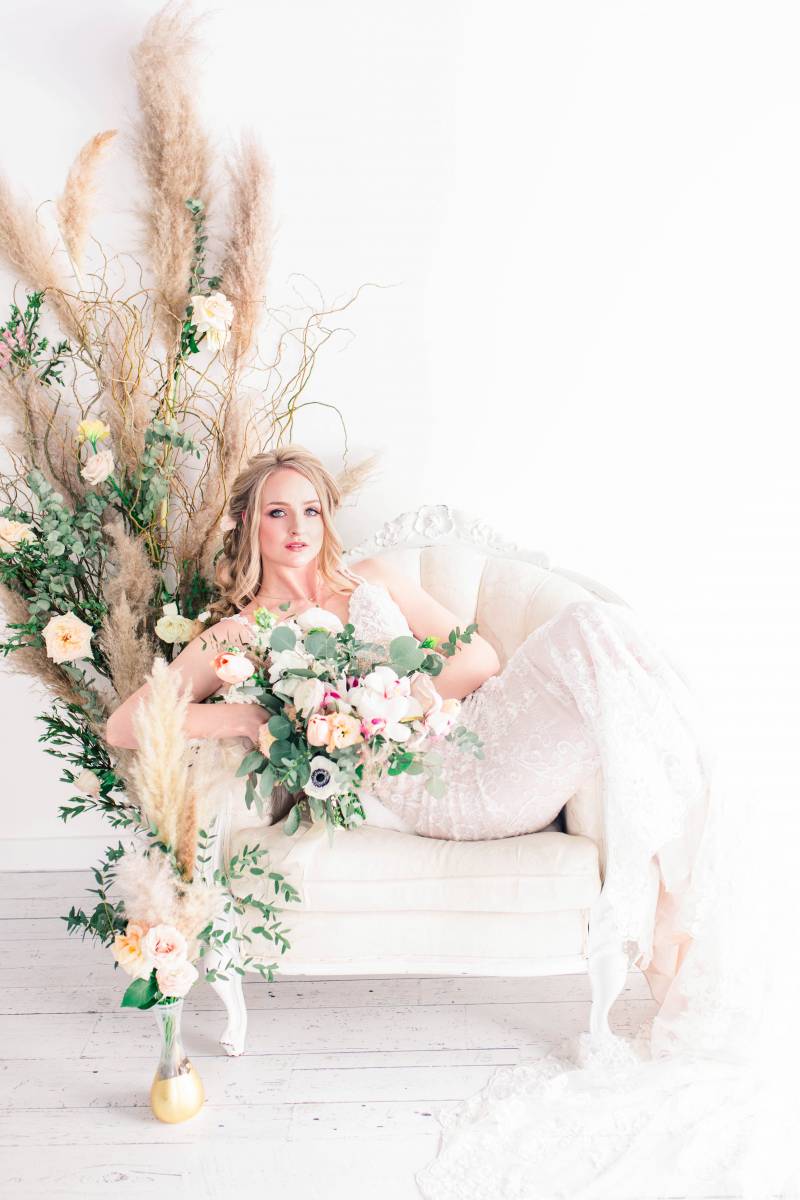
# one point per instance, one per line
(67, 637)
(88, 783)
(265, 738)
(176, 981)
(213, 315)
(98, 467)
(323, 781)
(171, 627)
(319, 618)
(317, 730)
(129, 952)
(14, 532)
(344, 731)
(93, 431)
(308, 695)
(165, 945)
(232, 666)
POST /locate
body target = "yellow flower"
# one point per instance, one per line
(92, 431)
(67, 637)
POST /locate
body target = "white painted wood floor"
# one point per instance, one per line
(334, 1099)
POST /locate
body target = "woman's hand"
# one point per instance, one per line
(253, 716)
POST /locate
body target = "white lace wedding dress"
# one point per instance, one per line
(703, 1102)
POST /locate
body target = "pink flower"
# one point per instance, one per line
(5, 355)
(176, 981)
(232, 667)
(22, 340)
(318, 730)
(165, 945)
(8, 337)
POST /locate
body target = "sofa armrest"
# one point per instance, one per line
(583, 815)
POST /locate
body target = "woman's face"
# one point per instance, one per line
(290, 512)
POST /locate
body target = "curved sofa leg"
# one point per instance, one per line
(230, 992)
(608, 967)
(229, 989)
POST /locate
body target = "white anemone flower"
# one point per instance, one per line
(324, 778)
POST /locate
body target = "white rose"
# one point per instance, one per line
(165, 945)
(88, 783)
(213, 315)
(14, 532)
(286, 660)
(308, 695)
(173, 628)
(67, 637)
(176, 981)
(98, 467)
(319, 618)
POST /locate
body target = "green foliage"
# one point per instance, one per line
(28, 353)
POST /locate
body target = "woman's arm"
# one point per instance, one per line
(472, 663)
(193, 665)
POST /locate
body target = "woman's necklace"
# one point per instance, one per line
(289, 599)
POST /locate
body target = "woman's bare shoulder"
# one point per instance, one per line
(372, 569)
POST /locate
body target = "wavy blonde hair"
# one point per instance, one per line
(238, 569)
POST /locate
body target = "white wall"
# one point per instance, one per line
(584, 219)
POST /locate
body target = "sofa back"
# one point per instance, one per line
(506, 589)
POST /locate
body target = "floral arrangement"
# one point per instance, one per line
(128, 409)
(342, 715)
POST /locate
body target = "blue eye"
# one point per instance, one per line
(280, 510)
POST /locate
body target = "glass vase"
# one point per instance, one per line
(177, 1090)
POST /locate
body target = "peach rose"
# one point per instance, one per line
(232, 667)
(176, 981)
(344, 731)
(67, 637)
(165, 945)
(130, 954)
(14, 532)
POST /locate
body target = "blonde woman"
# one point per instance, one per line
(586, 689)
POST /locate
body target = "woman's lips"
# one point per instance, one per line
(296, 545)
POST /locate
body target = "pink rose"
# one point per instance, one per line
(318, 730)
(176, 981)
(165, 945)
(232, 667)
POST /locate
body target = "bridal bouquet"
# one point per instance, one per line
(342, 714)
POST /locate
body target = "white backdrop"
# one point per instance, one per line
(583, 219)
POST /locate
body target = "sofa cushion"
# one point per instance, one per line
(370, 869)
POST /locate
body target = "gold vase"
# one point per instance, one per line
(177, 1090)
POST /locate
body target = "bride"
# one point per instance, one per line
(686, 1108)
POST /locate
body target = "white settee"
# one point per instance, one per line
(379, 901)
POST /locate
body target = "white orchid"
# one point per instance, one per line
(384, 703)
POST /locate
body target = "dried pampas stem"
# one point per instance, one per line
(74, 205)
(161, 767)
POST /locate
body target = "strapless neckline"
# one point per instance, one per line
(364, 583)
